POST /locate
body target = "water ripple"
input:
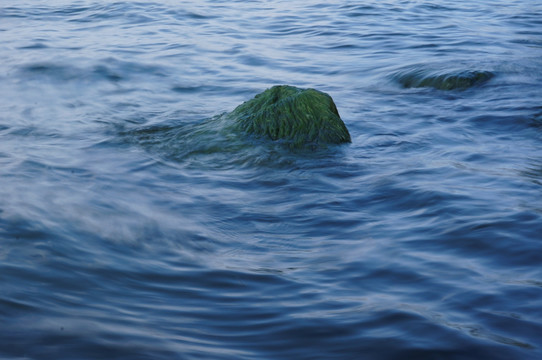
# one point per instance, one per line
(132, 227)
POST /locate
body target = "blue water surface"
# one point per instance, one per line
(125, 233)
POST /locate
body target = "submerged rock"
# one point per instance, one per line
(296, 116)
(448, 81)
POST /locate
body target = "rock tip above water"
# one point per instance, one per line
(453, 80)
(297, 116)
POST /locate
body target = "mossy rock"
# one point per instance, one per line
(263, 131)
(448, 81)
(295, 116)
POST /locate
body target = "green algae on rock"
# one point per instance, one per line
(296, 116)
(292, 119)
(454, 80)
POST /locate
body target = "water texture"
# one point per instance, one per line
(131, 228)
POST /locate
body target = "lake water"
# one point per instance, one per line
(126, 234)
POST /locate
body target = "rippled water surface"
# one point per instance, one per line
(127, 232)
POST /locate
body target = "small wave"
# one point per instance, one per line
(109, 69)
(442, 80)
(49, 70)
(34, 46)
(63, 73)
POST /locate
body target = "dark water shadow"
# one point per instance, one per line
(533, 172)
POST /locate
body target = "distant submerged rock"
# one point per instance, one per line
(296, 116)
(442, 79)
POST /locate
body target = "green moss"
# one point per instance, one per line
(297, 116)
(453, 81)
